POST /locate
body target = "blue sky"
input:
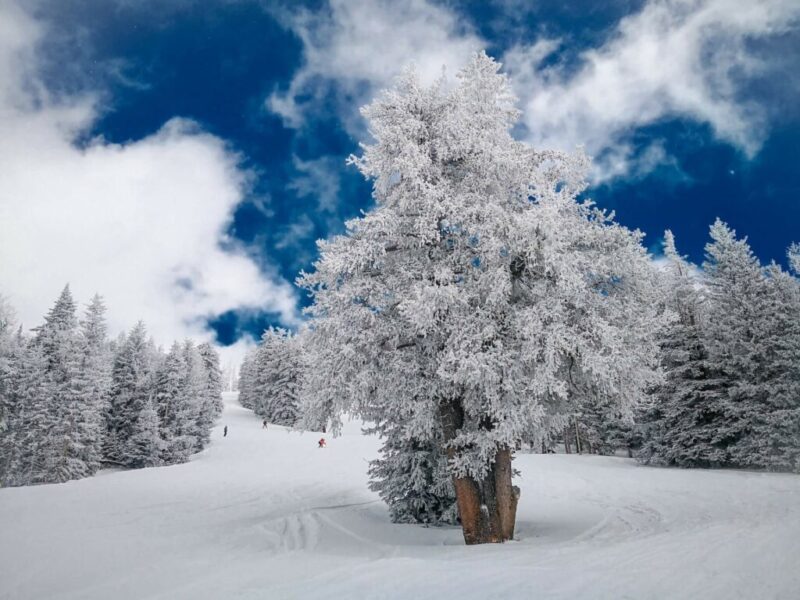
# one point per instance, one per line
(690, 109)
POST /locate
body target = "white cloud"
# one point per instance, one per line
(140, 223)
(675, 58)
(361, 46)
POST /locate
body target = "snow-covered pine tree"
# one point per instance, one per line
(683, 423)
(279, 371)
(131, 387)
(24, 446)
(773, 434)
(192, 400)
(12, 393)
(247, 380)
(599, 427)
(459, 307)
(169, 382)
(94, 378)
(793, 254)
(738, 339)
(211, 398)
(69, 430)
(8, 349)
(145, 444)
(413, 479)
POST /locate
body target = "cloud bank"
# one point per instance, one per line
(141, 223)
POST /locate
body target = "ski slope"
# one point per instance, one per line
(268, 515)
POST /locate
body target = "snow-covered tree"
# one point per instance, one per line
(186, 410)
(131, 387)
(8, 366)
(230, 378)
(211, 391)
(460, 308)
(599, 426)
(247, 380)
(70, 398)
(24, 447)
(145, 444)
(413, 479)
(772, 434)
(94, 377)
(737, 336)
(169, 384)
(793, 253)
(685, 420)
(70, 428)
(279, 368)
(192, 397)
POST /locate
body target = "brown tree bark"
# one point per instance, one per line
(487, 507)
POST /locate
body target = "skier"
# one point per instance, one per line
(225, 431)
(264, 424)
(321, 443)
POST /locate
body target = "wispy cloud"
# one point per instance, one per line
(675, 58)
(355, 48)
(688, 59)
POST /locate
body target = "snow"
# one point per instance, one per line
(266, 514)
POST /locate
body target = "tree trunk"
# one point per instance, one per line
(487, 507)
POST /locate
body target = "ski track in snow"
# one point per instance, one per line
(265, 514)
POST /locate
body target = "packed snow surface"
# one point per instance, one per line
(266, 514)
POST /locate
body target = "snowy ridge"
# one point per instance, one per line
(265, 514)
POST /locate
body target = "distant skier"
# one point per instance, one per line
(321, 443)
(225, 431)
(264, 424)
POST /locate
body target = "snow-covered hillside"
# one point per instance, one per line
(266, 514)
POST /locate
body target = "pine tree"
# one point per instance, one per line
(168, 394)
(737, 339)
(413, 479)
(793, 254)
(25, 443)
(461, 305)
(192, 399)
(145, 444)
(8, 349)
(68, 428)
(686, 420)
(211, 394)
(773, 429)
(247, 380)
(94, 379)
(131, 381)
(277, 381)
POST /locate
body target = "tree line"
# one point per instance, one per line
(485, 305)
(73, 401)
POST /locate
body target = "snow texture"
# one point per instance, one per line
(265, 514)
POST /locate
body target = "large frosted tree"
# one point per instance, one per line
(461, 308)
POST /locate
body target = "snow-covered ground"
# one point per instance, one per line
(265, 514)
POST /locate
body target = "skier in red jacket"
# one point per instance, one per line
(321, 443)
